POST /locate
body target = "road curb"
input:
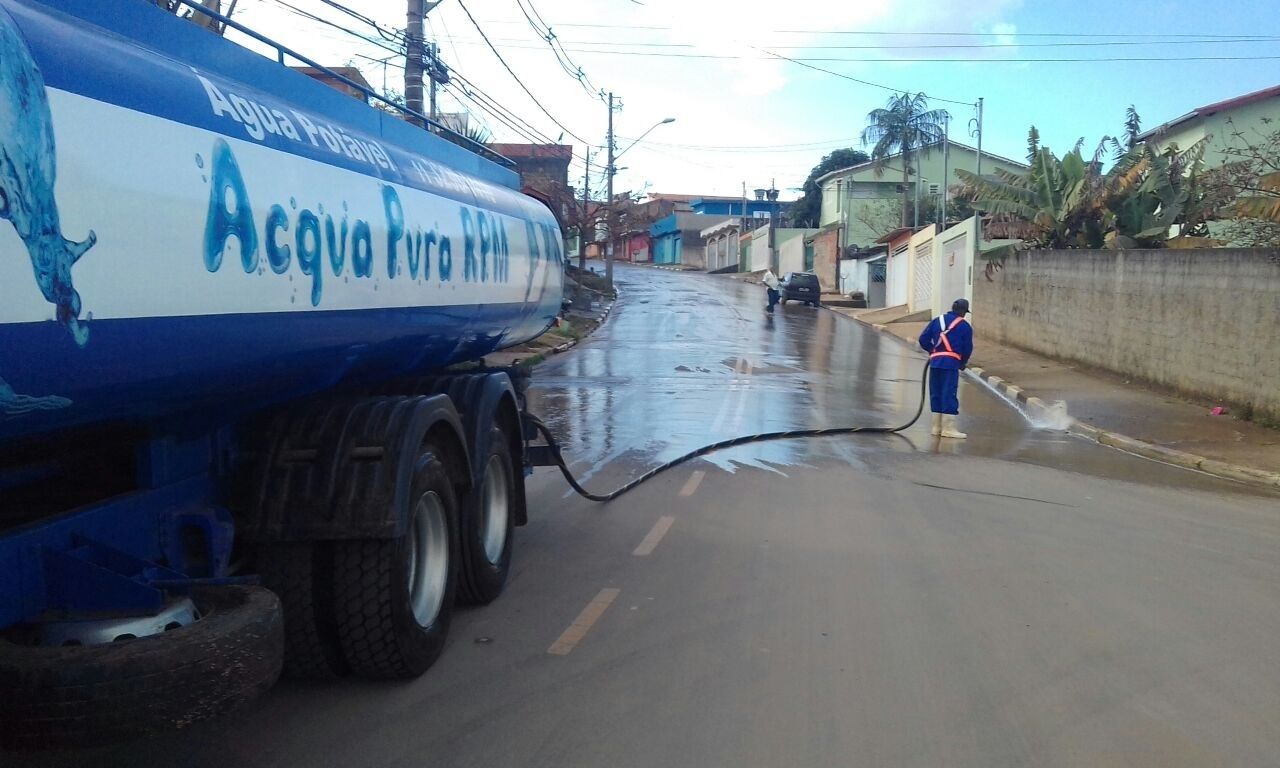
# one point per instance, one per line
(568, 345)
(1237, 472)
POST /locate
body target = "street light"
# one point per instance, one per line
(646, 133)
(610, 170)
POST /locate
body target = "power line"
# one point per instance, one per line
(312, 17)
(460, 92)
(854, 79)
(764, 150)
(391, 36)
(562, 56)
(479, 98)
(453, 49)
(900, 60)
(516, 77)
(929, 46)
(904, 33)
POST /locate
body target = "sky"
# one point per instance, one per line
(743, 114)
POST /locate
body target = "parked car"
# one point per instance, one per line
(801, 286)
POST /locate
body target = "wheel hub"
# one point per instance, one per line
(178, 613)
(428, 559)
(496, 509)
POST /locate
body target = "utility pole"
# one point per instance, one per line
(978, 238)
(979, 137)
(916, 214)
(946, 165)
(609, 171)
(586, 214)
(413, 55)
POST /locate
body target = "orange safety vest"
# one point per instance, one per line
(943, 347)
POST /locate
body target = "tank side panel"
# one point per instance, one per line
(156, 266)
(121, 57)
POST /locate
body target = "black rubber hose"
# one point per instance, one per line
(704, 450)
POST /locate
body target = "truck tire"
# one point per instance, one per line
(489, 525)
(91, 695)
(301, 575)
(393, 598)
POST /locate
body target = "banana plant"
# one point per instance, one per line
(1070, 203)
(1052, 198)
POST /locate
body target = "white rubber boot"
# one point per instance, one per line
(949, 428)
(937, 425)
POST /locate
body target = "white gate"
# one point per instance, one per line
(922, 298)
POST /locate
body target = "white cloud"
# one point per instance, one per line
(747, 101)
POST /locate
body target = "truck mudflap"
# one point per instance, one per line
(340, 469)
(484, 399)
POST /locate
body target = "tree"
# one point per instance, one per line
(1132, 127)
(807, 211)
(1033, 144)
(907, 126)
(1255, 172)
(1068, 202)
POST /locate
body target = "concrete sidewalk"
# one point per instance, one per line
(1126, 415)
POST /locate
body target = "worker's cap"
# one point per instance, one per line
(960, 307)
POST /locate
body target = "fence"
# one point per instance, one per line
(1203, 322)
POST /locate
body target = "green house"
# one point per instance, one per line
(1252, 115)
(867, 198)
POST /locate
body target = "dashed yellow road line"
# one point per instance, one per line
(650, 542)
(570, 638)
(691, 485)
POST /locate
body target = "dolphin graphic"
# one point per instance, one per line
(27, 169)
(14, 404)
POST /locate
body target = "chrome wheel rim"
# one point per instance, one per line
(495, 507)
(428, 559)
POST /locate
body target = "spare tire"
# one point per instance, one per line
(91, 695)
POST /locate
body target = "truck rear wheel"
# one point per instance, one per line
(301, 574)
(99, 694)
(393, 598)
(489, 524)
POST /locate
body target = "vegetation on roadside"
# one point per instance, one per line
(1069, 202)
(1148, 198)
(591, 281)
(1253, 175)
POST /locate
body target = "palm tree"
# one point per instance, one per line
(905, 125)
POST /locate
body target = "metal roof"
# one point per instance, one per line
(1213, 109)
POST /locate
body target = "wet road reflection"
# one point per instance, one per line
(686, 359)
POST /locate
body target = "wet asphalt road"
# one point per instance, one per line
(1023, 598)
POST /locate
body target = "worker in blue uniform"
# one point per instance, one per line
(949, 341)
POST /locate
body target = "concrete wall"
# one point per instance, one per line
(693, 251)
(789, 243)
(1203, 322)
(791, 255)
(955, 264)
(761, 254)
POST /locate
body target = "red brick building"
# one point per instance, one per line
(544, 172)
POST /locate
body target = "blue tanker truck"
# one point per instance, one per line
(234, 436)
